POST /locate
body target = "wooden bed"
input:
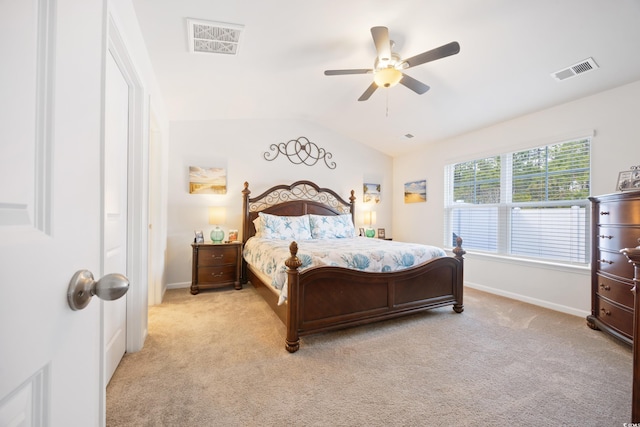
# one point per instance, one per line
(327, 298)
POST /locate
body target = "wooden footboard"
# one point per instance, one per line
(326, 298)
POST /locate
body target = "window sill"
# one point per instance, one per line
(528, 262)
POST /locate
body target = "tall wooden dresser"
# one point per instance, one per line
(615, 220)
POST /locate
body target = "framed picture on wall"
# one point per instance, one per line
(415, 191)
(205, 180)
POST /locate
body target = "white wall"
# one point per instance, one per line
(613, 115)
(238, 146)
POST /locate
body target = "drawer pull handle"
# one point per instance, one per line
(605, 287)
(217, 256)
(217, 274)
(605, 312)
(605, 237)
(604, 213)
(606, 262)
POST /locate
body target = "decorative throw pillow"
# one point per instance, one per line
(284, 227)
(332, 226)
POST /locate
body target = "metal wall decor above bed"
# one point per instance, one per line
(300, 151)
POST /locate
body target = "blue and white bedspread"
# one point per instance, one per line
(358, 253)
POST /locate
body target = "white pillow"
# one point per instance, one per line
(284, 227)
(257, 223)
(332, 226)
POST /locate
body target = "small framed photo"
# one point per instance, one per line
(381, 233)
(629, 180)
(361, 231)
(199, 237)
(233, 235)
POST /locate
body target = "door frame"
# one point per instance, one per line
(137, 194)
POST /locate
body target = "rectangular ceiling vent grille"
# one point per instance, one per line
(213, 37)
(580, 68)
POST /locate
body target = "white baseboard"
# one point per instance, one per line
(530, 300)
(179, 285)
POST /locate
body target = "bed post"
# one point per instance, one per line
(459, 252)
(292, 343)
(352, 208)
(245, 229)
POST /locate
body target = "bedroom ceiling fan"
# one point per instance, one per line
(388, 67)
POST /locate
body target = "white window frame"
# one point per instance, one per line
(506, 205)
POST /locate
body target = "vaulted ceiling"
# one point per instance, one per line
(509, 52)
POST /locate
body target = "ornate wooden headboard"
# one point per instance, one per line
(299, 198)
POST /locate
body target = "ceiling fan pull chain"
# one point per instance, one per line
(387, 109)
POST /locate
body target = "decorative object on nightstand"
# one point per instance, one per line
(381, 233)
(215, 265)
(216, 217)
(370, 220)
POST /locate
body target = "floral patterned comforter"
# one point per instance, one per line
(358, 253)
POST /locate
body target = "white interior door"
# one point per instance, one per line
(50, 210)
(115, 208)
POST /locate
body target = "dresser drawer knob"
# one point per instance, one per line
(605, 237)
(605, 287)
(604, 213)
(606, 261)
(605, 312)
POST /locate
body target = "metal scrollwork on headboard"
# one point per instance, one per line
(300, 151)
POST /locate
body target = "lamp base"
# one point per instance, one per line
(217, 235)
(370, 232)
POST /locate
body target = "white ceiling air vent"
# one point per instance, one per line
(580, 68)
(213, 37)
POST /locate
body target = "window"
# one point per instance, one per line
(530, 203)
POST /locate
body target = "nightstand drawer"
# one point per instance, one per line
(219, 274)
(217, 255)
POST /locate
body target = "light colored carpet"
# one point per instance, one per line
(218, 359)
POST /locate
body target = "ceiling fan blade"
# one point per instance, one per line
(341, 72)
(367, 93)
(381, 40)
(413, 84)
(431, 55)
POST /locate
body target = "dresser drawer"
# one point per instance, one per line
(217, 255)
(616, 317)
(615, 290)
(622, 212)
(613, 262)
(218, 274)
(616, 238)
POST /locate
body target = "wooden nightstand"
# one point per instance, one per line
(216, 265)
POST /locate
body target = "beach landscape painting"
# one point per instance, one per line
(371, 193)
(415, 191)
(203, 180)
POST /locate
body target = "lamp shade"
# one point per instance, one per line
(217, 215)
(370, 218)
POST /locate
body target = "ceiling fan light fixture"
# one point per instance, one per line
(387, 77)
